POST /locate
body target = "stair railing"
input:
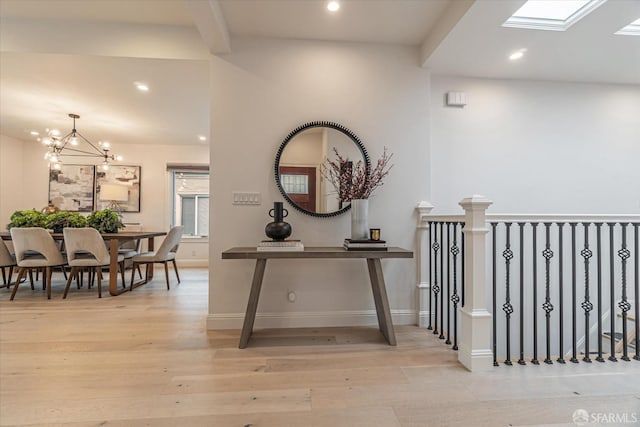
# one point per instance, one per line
(550, 280)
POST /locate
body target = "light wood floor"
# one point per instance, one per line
(146, 359)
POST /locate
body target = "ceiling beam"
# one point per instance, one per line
(208, 17)
(443, 26)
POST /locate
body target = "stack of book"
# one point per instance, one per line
(365, 245)
(280, 246)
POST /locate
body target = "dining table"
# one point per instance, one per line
(114, 240)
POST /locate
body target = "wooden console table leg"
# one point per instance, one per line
(252, 305)
(380, 296)
(376, 297)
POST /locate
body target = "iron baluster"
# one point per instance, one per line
(521, 360)
(430, 274)
(494, 312)
(560, 296)
(448, 341)
(574, 353)
(547, 253)
(455, 298)
(612, 307)
(599, 252)
(507, 254)
(436, 288)
(534, 256)
(624, 304)
(441, 336)
(637, 289)
(462, 269)
(587, 306)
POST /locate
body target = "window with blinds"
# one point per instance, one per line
(190, 189)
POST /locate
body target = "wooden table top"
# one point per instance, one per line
(122, 235)
(311, 252)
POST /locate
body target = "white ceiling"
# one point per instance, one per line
(589, 51)
(70, 56)
(379, 21)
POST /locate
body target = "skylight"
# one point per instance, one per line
(632, 29)
(554, 15)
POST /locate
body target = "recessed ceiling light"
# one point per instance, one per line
(632, 29)
(333, 6)
(555, 15)
(202, 137)
(517, 54)
(34, 133)
(141, 87)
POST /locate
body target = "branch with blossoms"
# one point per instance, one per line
(355, 181)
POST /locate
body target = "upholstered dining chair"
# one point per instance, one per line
(35, 248)
(164, 254)
(6, 261)
(86, 249)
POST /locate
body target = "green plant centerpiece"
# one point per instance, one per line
(105, 221)
(26, 218)
(59, 220)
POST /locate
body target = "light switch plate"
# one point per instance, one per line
(246, 198)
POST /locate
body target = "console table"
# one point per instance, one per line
(375, 274)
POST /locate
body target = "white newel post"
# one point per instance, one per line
(422, 255)
(474, 350)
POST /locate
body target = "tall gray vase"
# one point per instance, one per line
(359, 219)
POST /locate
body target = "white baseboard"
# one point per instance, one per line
(309, 319)
(423, 318)
(193, 262)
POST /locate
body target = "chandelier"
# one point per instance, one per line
(70, 146)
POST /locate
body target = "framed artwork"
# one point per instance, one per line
(71, 187)
(120, 186)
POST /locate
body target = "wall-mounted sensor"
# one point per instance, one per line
(456, 99)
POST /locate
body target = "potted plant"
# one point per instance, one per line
(354, 183)
(59, 220)
(105, 221)
(26, 218)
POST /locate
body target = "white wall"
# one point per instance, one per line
(262, 91)
(155, 189)
(11, 178)
(537, 147)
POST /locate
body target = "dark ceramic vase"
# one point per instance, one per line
(278, 229)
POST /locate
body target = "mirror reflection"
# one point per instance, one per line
(299, 163)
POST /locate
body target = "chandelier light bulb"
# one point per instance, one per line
(54, 158)
(106, 145)
(56, 142)
(47, 141)
(119, 158)
(73, 140)
(57, 166)
(47, 155)
(105, 166)
(54, 132)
